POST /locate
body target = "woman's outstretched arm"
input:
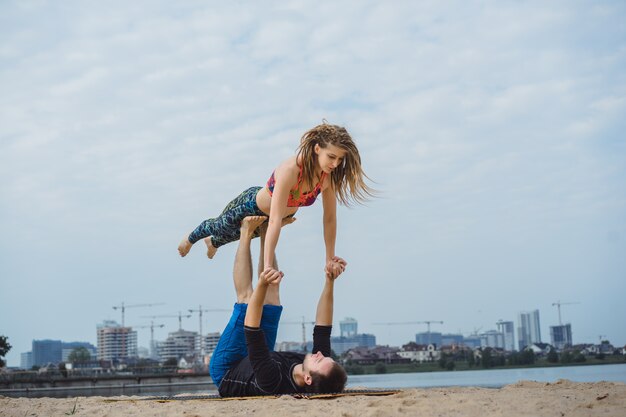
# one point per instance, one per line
(286, 175)
(330, 221)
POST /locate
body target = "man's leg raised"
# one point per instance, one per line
(272, 308)
(272, 297)
(232, 344)
(242, 270)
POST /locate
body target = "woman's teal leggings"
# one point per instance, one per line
(225, 228)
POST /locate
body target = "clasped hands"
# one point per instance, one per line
(334, 267)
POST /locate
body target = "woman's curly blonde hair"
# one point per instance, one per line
(348, 178)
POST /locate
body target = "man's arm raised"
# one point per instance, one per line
(324, 315)
(255, 305)
(266, 371)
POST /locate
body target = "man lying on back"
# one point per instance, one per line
(244, 362)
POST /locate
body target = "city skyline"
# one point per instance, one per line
(493, 133)
(348, 326)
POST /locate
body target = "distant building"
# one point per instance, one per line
(26, 360)
(179, 344)
(349, 327)
(539, 348)
(492, 339)
(604, 347)
(186, 362)
(210, 342)
(375, 354)
(529, 329)
(350, 338)
(52, 351)
(421, 353)
(561, 336)
(451, 339)
(342, 344)
(68, 347)
(427, 338)
(47, 351)
(472, 341)
(507, 328)
(116, 342)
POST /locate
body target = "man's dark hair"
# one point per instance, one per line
(335, 381)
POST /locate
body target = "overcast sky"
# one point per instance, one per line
(493, 130)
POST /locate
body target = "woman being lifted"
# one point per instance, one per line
(327, 162)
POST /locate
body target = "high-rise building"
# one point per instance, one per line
(492, 338)
(528, 330)
(561, 336)
(210, 342)
(507, 328)
(349, 327)
(178, 344)
(116, 342)
(47, 351)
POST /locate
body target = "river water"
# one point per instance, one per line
(492, 378)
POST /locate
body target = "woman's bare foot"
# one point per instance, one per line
(210, 249)
(184, 246)
(250, 224)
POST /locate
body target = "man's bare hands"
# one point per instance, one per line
(335, 267)
(270, 277)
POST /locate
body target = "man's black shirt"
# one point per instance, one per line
(266, 373)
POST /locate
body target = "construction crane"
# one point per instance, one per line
(558, 304)
(303, 323)
(151, 326)
(475, 331)
(200, 310)
(427, 322)
(179, 315)
(124, 307)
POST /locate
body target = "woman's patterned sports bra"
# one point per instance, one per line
(298, 198)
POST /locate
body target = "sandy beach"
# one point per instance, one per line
(525, 398)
